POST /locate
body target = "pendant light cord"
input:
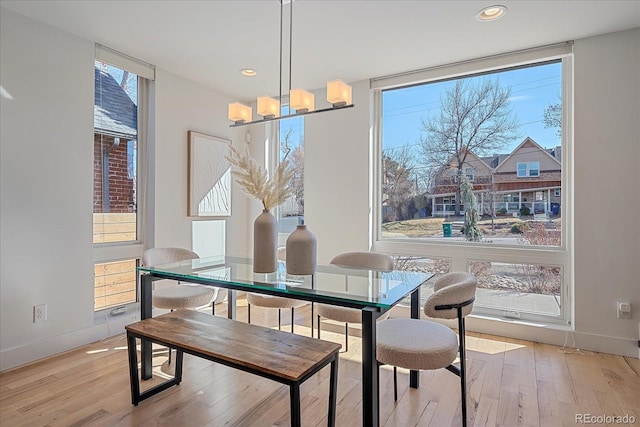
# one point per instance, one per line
(282, 45)
(290, 47)
(281, 18)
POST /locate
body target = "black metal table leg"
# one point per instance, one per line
(294, 394)
(370, 409)
(333, 392)
(231, 304)
(133, 369)
(146, 311)
(414, 376)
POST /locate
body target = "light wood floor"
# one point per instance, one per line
(510, 382)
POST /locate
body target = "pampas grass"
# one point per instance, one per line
(257, 183)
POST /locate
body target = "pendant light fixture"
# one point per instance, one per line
(300, 100)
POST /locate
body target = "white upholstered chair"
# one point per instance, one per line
(367, 260)
(179, 296)
(419, 344)
(269, 301)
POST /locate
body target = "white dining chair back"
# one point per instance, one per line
(346, 315)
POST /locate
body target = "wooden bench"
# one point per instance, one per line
(280, 356)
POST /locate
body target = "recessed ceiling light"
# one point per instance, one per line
(491, 13)
(249, 72)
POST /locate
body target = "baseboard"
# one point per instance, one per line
(34, 351)
(31, 352)
(548, 334)
(104, 327)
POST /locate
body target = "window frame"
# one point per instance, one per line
(119, 251)
(461, 254)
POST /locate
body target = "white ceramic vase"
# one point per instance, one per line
(265, 243)
(301, 251)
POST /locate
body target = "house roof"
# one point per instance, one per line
(527, 142)
(115, 114)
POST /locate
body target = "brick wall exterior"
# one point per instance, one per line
(121, 187)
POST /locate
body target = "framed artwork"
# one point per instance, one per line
(209, 192)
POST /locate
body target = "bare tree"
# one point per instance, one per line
(473, 118)
(398, 186)
(295, 156)
(552, 117)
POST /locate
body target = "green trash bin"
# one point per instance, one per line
(446, 229)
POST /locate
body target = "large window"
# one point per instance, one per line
(119, 139)
(471, 167)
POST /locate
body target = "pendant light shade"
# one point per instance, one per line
(301, 100)
(338, 93)
(268, 107)
(239, 113)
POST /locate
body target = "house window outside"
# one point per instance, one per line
(291, 148)
(469, 173)
(528, 169)
(534, 169)
(512, 244)
(522, 169)
(117, 211)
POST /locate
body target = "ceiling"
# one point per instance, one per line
(210, 41)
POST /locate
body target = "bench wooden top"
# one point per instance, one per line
(266, 350)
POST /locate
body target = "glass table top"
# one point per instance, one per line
(330, 283)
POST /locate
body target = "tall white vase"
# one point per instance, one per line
(265, 243)
(301, 251)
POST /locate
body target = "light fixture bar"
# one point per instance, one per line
(300, 100)
(270, 119)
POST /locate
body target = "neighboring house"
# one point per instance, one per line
(530, 176)
(115, 134)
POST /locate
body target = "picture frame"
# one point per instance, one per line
(209, 192)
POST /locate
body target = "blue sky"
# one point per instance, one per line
(532, 90)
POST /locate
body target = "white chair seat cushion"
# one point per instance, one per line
(182, 296)
(273, 302)
(343, 314)
(415, 344)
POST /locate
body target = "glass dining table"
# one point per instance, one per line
(372, 292)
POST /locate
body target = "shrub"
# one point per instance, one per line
(519, 227)
(502, 211)
(524, 211)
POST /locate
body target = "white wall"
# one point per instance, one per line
(182, 105)
(46, 169)
(607, 176)
(47, 185)
(336, 176)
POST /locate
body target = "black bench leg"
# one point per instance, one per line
(133, 369)
(178, 369)
(333, 392)
(294, 397)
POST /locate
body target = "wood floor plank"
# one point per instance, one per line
(510, 383)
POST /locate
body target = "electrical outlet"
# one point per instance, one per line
(624, 310)
(39, 313)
